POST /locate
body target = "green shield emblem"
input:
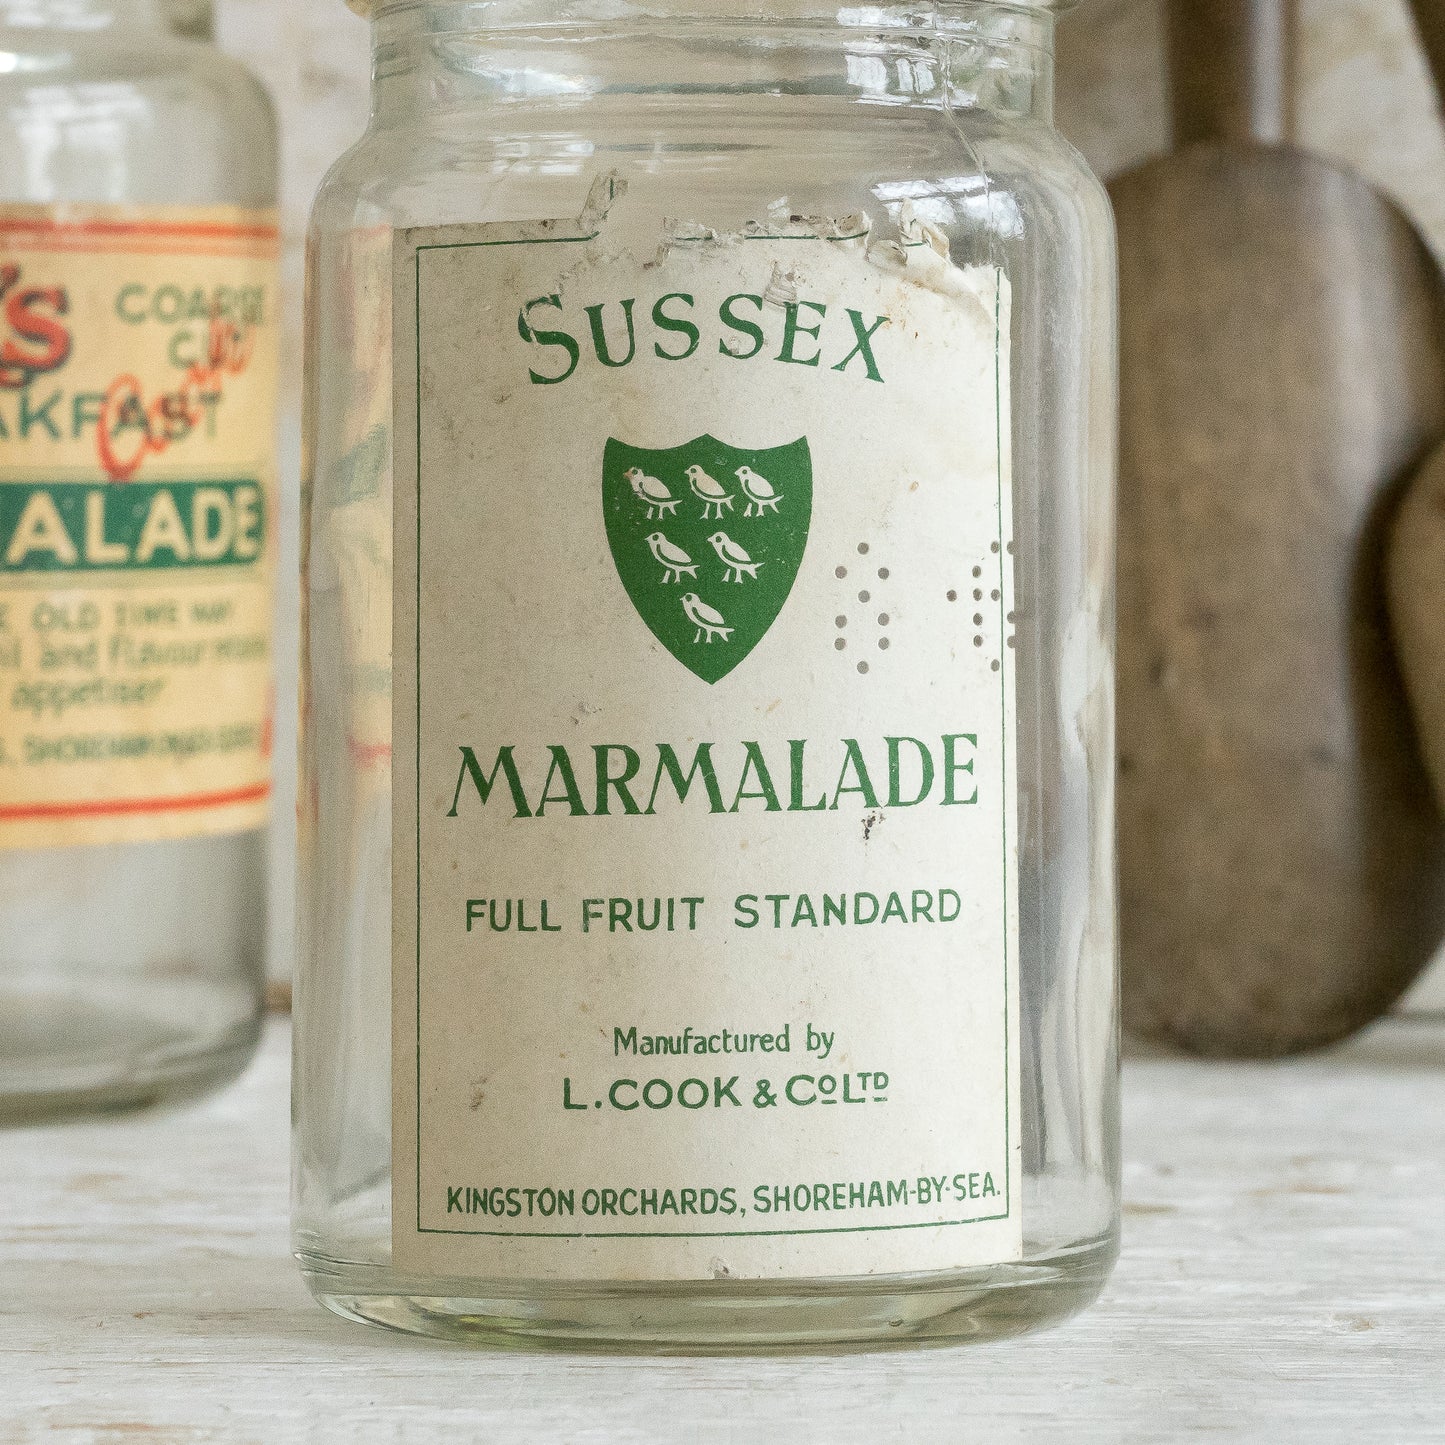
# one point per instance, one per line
(707, 539)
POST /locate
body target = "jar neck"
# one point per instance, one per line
(435, 56)
(85, 15)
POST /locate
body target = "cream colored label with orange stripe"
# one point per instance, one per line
(138, 359)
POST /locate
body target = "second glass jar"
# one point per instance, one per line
(139, 348)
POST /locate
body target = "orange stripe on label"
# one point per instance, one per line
(109, 807)
(211, 230)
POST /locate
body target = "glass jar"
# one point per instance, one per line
(707, 876)
(138, 347)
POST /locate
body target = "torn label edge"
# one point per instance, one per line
(918, 253)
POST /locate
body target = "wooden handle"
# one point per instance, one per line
(1230, 65)
(1430, 22)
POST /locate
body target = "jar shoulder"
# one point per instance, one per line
(226, 85)
(164, 121)
(1054, 183)
(192, 73)
(496, 169)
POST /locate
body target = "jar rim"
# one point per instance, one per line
(369, 9)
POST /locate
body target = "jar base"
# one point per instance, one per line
(898, 1312)
(166, 1072)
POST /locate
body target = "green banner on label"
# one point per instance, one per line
(130, 526)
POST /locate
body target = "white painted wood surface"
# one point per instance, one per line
(1283, 1280)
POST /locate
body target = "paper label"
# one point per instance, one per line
(705, 948)
(138, 354)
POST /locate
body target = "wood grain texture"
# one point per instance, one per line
(1282, 1281)
(1430, 24)
(1416, 569)
(1362, 96)
(1230, 69)
(1283, 368)
(1416, 548)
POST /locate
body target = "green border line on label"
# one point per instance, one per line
(1003, 729)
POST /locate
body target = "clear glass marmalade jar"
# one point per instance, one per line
(707, 879)
(139, 325)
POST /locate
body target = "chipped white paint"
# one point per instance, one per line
(1283, 1281)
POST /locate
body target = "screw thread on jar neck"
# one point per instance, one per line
(438, 54)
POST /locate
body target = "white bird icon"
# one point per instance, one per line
(710, 492)
(760, 492)
(651, 491)
(734, 559)
(673, 559)
(709, 621)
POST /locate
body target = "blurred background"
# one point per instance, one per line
(1362, 95)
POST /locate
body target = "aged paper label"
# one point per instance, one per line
(705, 948)
(138, 354)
